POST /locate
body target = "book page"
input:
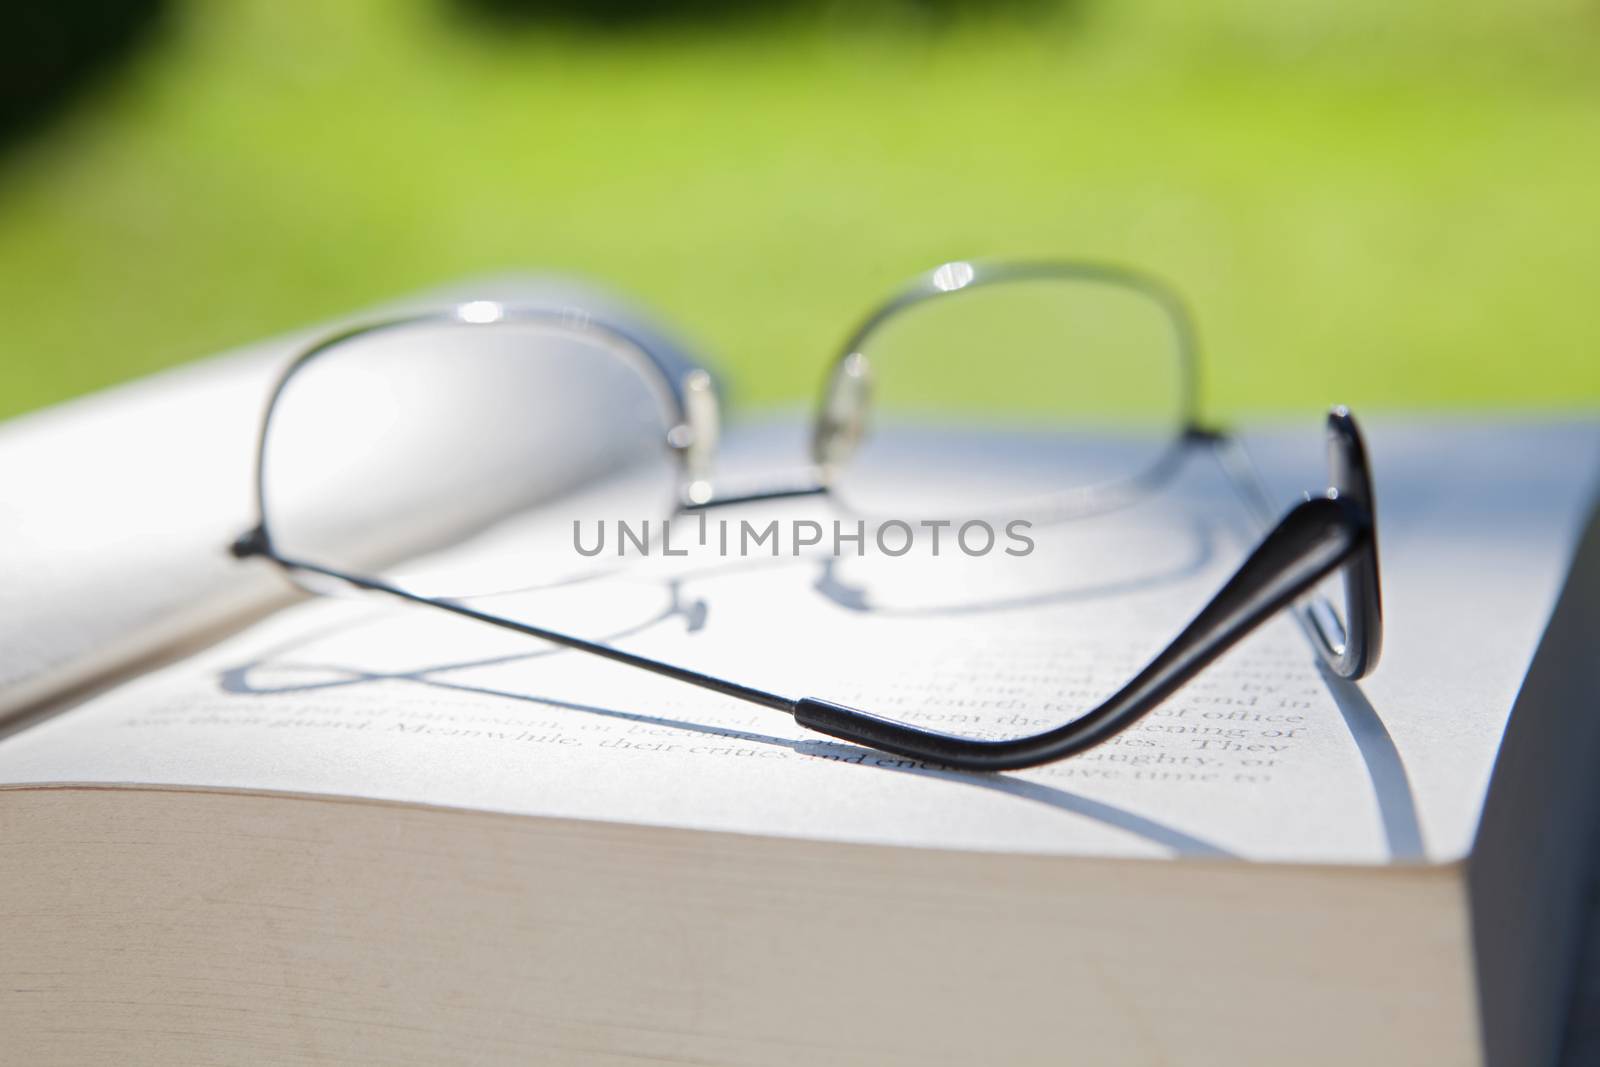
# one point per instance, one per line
(115, 520)
(1264, 756)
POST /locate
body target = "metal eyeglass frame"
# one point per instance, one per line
(1330, 531)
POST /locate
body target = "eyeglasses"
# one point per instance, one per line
(386, 440)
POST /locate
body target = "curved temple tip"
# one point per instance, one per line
(1345, 432)
(1355, 653)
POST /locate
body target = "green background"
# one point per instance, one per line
(1388, 205)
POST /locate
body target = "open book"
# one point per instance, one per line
(356, 830)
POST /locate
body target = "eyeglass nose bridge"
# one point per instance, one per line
(842, 419)
(695, 438)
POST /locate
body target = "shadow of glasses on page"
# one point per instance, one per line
(241, 680)
(857, 596)
(1397, 804)
(1384, 766)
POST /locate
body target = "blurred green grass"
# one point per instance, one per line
(1385, 205)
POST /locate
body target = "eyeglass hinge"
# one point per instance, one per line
(252, 542)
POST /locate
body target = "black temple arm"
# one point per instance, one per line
(1312, 540)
